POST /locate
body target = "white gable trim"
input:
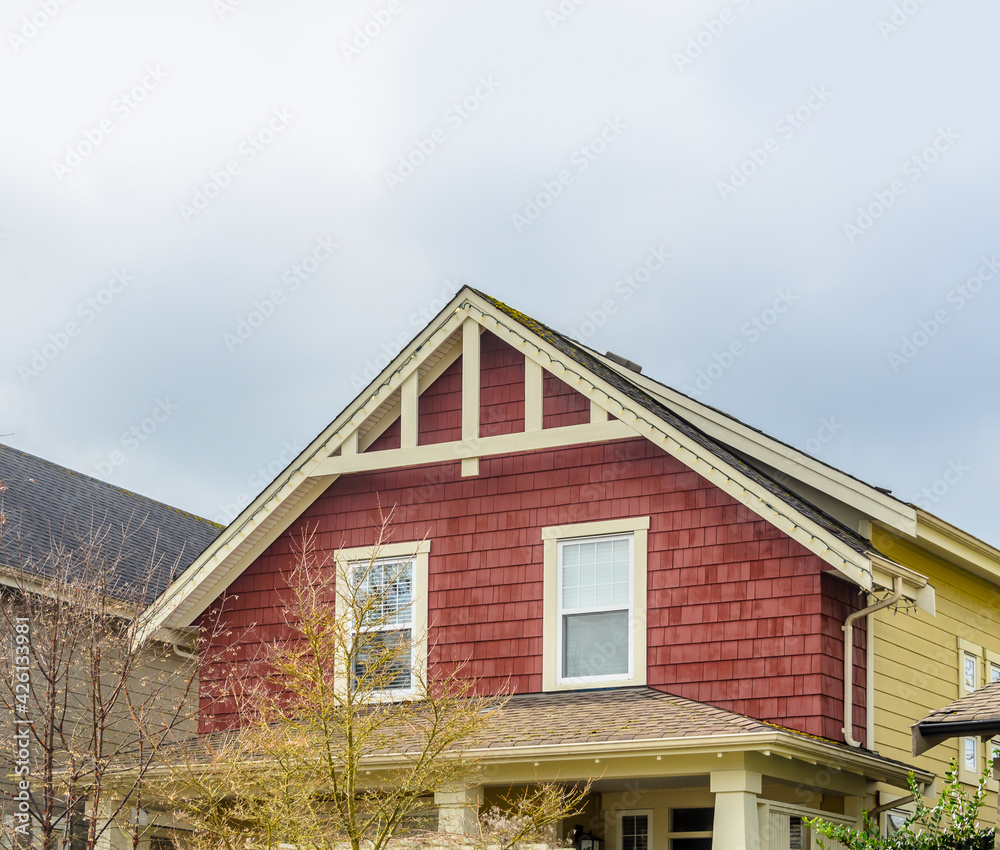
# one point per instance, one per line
(331, 453)
(853, 565)
(869, 500)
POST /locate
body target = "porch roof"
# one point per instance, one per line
(625, 715)
(977, 714)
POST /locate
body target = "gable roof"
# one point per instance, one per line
(48, 506)
(976, 714)
(627, 399)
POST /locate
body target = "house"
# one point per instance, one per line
(108, 553)
(683, 605)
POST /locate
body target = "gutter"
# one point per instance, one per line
(848, 627)
(927, 734)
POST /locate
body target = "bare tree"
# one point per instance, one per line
(90, 709)
(341, 737)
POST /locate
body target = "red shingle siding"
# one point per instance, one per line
(439, 417)
(501, 387)
(738, 615)
(561, 404)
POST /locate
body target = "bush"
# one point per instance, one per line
(952, 824)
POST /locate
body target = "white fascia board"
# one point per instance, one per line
(916, 586)
(780, 744)
(957, 547)
(790, 461)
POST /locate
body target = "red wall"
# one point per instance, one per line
(738, 615)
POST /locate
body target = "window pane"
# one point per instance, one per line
(691, 844)
(970, 673)
(595, 573)
(994, 672)
(692, 820)
(383, 660)
(595, 644)
(635, 832)
(970, 755)
(388, 586)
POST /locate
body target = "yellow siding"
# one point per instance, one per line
(917, 656)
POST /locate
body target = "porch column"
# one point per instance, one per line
(736, 825)
(458, 810)
(114, 838)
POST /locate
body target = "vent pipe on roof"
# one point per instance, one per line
(848, 627)
(622, 361)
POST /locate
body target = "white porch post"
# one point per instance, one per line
(736, 825)
(458, 810)
(113, 838)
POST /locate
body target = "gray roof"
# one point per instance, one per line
(581, 355)
(48, 507)
(976, 714)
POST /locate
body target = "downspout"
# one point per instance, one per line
(848, 627)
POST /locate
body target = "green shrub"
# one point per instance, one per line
(951, 824)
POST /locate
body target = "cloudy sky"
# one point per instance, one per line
(823, 177)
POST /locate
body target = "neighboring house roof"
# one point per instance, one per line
(636, 406)
(48, 506)
(976, 714)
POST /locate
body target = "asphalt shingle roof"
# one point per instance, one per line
(981, 706)
(47, 505)
(612, 715)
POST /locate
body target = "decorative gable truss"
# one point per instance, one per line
(619, 409)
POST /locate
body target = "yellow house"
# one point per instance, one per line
(920, 662)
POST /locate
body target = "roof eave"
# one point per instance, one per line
(788, 460)
(957, 546)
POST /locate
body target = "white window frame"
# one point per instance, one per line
(991, 670)
(552, 536)
(967, 650)
(627, 607)
(418, 553)
(628, 813)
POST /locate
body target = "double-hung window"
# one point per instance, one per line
(386, 595)
(595, 603)
(595, 608)
(384, 590)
